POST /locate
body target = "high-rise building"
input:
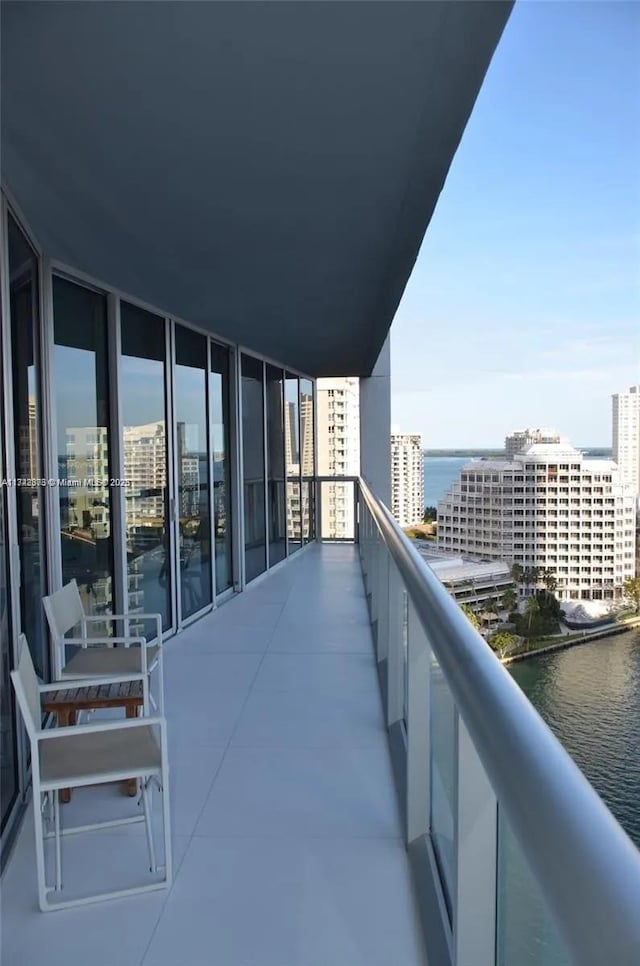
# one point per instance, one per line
(517, 441)
(338, 402)
(407, 478)
(626, 436)
(549, 508)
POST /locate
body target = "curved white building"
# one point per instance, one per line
(550, 508)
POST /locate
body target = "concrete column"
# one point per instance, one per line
(375, 426)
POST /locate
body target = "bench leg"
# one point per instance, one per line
(131, 784)
(66, 718)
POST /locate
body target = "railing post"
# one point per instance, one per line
(318, 508)
(365, 550)
(395, 653)
(418, 729)
(476, 831)
(382, 625)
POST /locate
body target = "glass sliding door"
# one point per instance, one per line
(277, 501)
(307, 452)
(25, 323)
(292, 454)
(81, 392)
(192, 460)
(255, 555)
(145, 463)
(221, 453)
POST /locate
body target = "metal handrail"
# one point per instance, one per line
(585, 864)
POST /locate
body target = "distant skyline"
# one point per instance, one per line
(524, 305)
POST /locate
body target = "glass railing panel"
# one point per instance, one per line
(443, 752)
(526, 934)
(405, 653)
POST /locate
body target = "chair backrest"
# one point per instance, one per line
(25, 684)
(63, 609)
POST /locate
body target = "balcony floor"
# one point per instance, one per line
(287, 837)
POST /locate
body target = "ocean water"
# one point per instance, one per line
(439, 473)
(589, 696)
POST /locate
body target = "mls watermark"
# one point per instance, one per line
(88, 483)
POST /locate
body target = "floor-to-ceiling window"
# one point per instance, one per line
(292, 453)
(219, 401)
(253, 467)
(277, 500)
(307, 459)
(145, 462)
(8, 746)
(81, 396)
(192, 459)
(25, 323)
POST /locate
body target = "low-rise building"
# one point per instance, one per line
(472, 582)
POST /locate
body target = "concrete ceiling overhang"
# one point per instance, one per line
(264, 170)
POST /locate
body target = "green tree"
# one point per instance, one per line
(471, 617)
(502, 643)
(430, 514)
(631, 590)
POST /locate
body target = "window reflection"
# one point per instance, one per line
(275, 465)
(253, 467)
(24, 314)
(193, 470)
(82, 412)
(220, 435)
(144, 440)
(292, 456)
(307, 448)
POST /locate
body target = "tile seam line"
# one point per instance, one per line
(193, 836)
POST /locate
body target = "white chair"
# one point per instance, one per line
(90, 755)
(97, 656)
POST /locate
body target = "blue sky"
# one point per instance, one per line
(523, 308)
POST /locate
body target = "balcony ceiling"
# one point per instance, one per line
(264, 170)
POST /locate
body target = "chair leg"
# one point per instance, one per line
(166, 811)
(58, 837)
(147, 824)
(160, 682)
(39, 843)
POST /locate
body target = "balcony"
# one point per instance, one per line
(288, 840)
(289, 843)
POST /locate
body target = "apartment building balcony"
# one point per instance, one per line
(341, 792)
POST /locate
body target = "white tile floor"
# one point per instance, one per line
(287, 841)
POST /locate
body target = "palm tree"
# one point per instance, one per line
(550, 582)
(509, 599)
(516, 573)
(532, 610)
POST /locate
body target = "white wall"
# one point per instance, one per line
(375, 426)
